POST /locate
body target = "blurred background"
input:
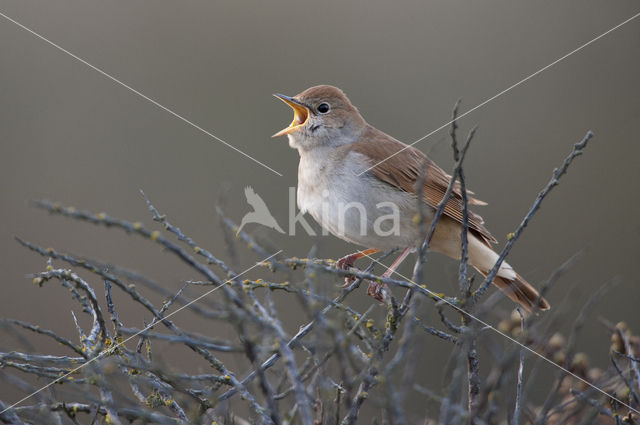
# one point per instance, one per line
(71, 135)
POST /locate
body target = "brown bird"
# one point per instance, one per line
(360, 184)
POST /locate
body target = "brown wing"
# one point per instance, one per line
(402, 169)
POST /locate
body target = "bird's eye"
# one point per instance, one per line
(323, 108)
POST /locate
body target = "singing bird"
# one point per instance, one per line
(346, 161)
(260, 213)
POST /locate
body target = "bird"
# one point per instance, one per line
(349, 169)
(260, 213)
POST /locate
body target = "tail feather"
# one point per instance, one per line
(520, 291)
(483, 258)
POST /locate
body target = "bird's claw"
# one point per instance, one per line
(376, 290)
(345, 263)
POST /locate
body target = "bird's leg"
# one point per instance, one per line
(377, 289)
(346, 262)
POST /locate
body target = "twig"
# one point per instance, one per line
(517, 407)
(578, 149)
(635, 376)
(47, 332)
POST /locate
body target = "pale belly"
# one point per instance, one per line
(358, 209)
(365, 211)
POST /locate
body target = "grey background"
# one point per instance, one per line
(69, 134)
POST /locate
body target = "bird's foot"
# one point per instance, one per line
(345, 263)
(377, 290)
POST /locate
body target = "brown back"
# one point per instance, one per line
(402, 170)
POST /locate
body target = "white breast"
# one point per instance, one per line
(359, 209)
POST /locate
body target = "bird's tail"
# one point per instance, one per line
(520, 291)
(483, 258)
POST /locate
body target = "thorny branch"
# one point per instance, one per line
(577, 150)
(335, 365)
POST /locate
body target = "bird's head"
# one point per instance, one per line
(322, 116)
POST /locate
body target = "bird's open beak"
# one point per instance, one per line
(300, 115)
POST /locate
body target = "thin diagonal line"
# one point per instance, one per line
(128, 87)
(110, 349)
(508, 337)
(507, 89)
